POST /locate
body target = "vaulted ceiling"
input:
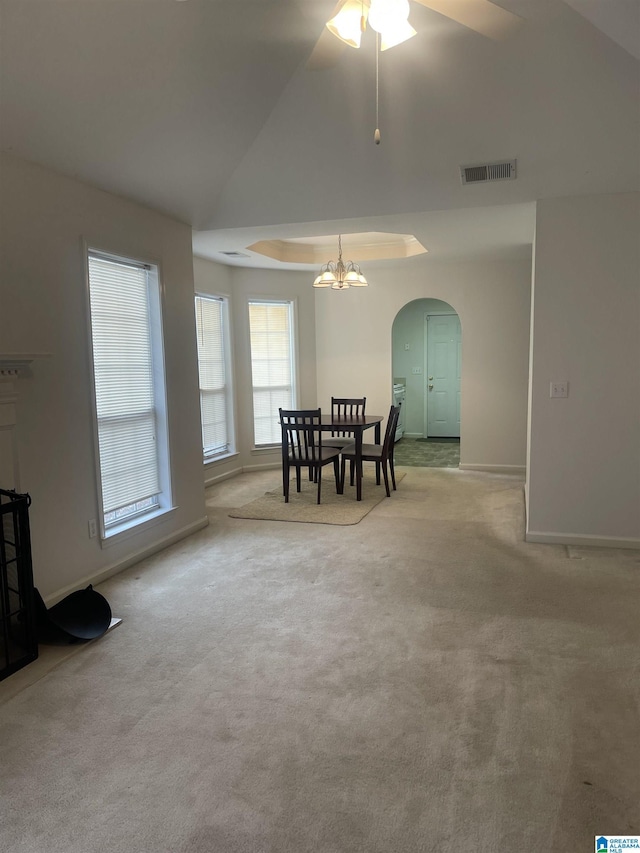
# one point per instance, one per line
(204, 109)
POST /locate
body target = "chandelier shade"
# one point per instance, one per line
(339, 275)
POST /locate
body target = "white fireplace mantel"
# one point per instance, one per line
(12, 366)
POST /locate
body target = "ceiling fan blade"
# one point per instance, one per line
(326, 53)
(480, 15)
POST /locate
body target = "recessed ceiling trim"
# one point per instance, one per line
(369, 246)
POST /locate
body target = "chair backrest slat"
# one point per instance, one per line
(348, 407)
(301, 433)
(390, 432)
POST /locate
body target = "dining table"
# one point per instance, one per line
(353, 425)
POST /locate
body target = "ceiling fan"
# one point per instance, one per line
(389, 18)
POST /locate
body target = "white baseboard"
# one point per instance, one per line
(265, 466)
(582, 539)
(244, 469)
(515, 470)
(121, 565)
(209, 481)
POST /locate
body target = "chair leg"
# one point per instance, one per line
(336, 472)
(393, 473)
(377, 473)
(343, 465)
(386, 479)
(319, 476)
(352, 470)
(297, 478)
(285, 483)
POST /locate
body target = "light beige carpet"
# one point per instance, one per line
(302, 506)
(424, 680)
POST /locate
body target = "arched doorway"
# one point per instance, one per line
(427, 362)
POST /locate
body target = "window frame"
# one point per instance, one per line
(136, 522)
(292, 304)
(231, 450)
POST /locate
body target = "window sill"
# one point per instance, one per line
(224, 458)
(266, 448)
(128, 529)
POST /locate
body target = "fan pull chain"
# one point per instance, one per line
(376, 135)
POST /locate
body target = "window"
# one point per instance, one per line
(216, 404)
(130, 409)
(272, 367)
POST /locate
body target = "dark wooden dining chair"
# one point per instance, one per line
(381, 454)
(344, 407)
(301, 448)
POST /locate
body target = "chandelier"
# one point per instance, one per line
(338, 275)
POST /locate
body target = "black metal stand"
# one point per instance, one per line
(18, 637)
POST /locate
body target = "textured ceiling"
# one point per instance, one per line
(204, 109)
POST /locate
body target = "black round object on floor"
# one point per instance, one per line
(84, 614)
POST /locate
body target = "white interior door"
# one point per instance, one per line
(443, 374)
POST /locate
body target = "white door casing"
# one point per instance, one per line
(443, 373)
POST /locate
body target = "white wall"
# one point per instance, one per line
(241, 285)
(354, 346)
(584, 451)
(43, 308)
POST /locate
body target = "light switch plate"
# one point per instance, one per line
(559, 389)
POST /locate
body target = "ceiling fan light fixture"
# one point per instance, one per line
(399, 32)
(385, 14)
(389, 19)
(347, 24)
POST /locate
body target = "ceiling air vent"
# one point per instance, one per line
(235, 254)
(504, 170)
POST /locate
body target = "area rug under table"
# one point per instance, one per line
(302, 506)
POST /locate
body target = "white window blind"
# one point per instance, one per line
(124, 386)
(271, 366)
(214, 403)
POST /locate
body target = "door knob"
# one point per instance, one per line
(431, 379)
(430, 387)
